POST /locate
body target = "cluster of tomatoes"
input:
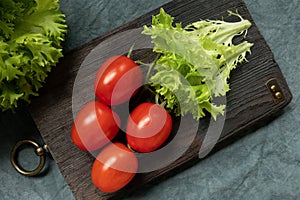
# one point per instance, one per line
(96, 125)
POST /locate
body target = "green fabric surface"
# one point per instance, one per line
(262, 165)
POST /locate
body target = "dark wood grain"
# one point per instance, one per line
(249, 103)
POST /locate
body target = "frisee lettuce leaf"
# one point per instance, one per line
(195, 61)
(31, 32)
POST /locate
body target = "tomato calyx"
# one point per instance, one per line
(130, 148)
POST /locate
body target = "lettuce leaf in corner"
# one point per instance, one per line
(31, 32)
(203, 55)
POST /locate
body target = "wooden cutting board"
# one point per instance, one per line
(251, 102)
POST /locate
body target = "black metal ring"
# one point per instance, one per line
(38, 150)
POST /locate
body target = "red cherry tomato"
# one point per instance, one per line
(117, 80)
(148, 127)
(114, 167)
(94, 126)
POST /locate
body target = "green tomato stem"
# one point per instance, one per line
(130, 51)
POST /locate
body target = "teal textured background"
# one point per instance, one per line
(262, 165)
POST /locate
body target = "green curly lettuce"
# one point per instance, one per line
(31, 32)
(203, 54)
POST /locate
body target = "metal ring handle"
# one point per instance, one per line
(40, 151)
